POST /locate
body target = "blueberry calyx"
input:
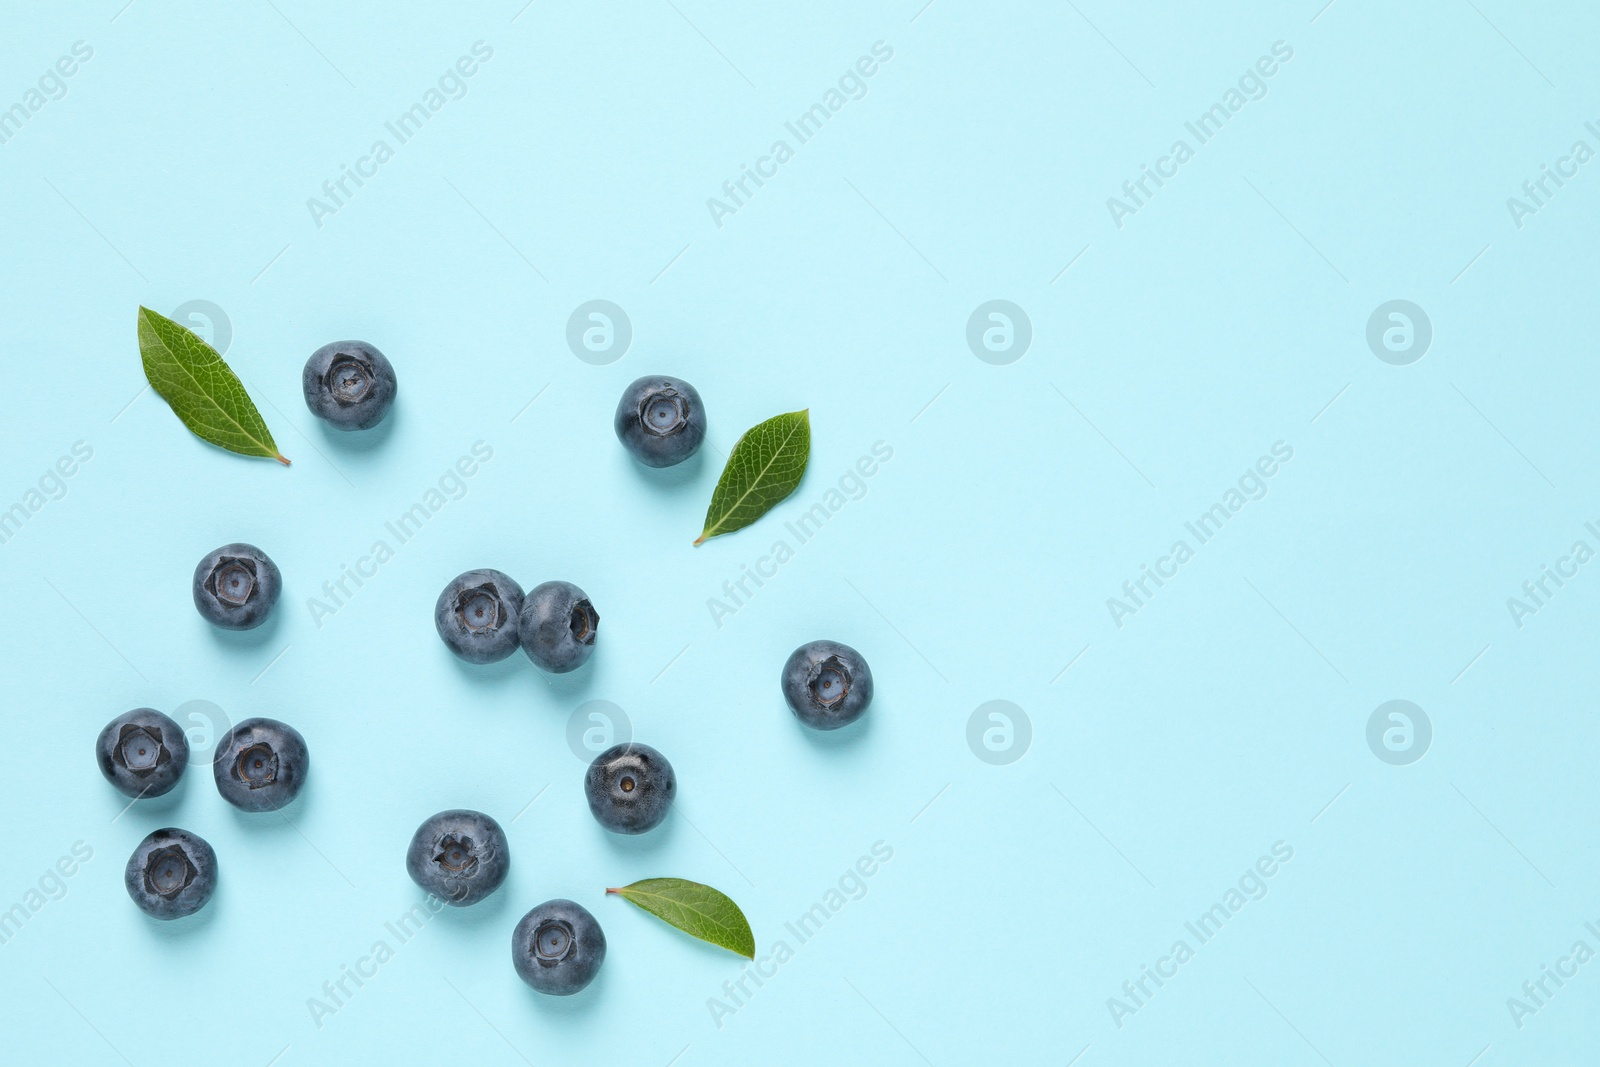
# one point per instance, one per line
(479, 608)
(233, 581)
(455, 854)
(256, 766)
(139, 749)
(348, 379)
(829, 683)
(584, 622)
(664, 412)
(168, 872)
(552, 942)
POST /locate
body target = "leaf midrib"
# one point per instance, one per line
(685, 905)
(728, 513)
(173, 359)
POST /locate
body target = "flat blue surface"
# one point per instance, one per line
(1195, 766)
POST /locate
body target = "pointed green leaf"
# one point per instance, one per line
(763, 468)
(202, 389)
(697, 910)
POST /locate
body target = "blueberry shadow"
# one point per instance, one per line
(170, 931)
(666, 480)
(157, 807)
(644, 844)
(272, 823)
(280, 820)
(578, 1006)
(573, 685)
(355, 441)
(499, 673)
(239, 643)
(486, 912)
(849, 736)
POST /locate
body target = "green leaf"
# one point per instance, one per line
(202, 389)
(763, 468)
(697, 910)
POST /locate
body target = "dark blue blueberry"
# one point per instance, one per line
(557, 626)
(630, 788)
(558, 948)
(171, 874)
(261, 765)
(477, 615)
(661, 421)
(142, 753)
(827, 685)
(349, 385)
(459, 856)
(236, 586)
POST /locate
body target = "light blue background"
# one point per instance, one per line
(1228, 714)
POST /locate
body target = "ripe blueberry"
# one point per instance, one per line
(236, 586)
(558, 948)
(827, 685)
(459, 856)
(142, 753)
(477, 615)
(349, 385)
(171, 874)
(630, 788)
(661, 421)
(260, 765)
(557, 626)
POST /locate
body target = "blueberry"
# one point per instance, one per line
(661, 421)
(142, 752)
(236, 586)
(476, 615)
(827, 685)
(459, 856)
(349, 385)
(630, 787)
(557, 626)
(558, 948)
(171, 874)
(261, 765)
